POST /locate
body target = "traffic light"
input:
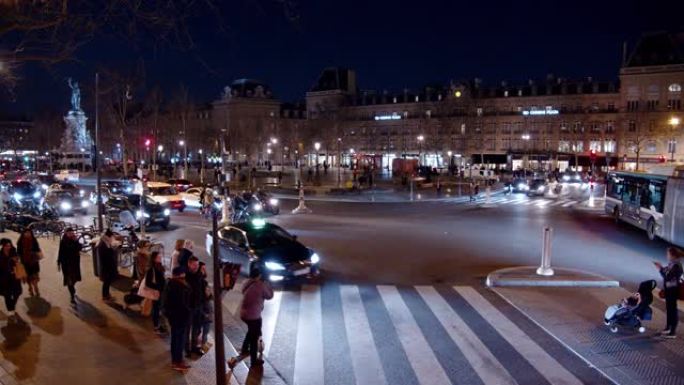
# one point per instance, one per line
(592, 155)
(661, 159)
(148, 142)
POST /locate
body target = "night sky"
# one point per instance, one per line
(390, 44)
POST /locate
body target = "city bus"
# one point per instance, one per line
(653, 202)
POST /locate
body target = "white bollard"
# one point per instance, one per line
(545, 268)
(301, 209)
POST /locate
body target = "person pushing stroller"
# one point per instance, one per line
(632, 310)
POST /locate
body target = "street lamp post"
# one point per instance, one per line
(339, 159)
(317, 146)
(185, 156)
(674, 122)
(201, 153)
(526, 138)
(420, 138)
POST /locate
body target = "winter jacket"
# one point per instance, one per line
(69, 259)
(254, 291)
(177, 302)
(671, 274)
(154, 279)
(8, 283)
(198, 286)
(183, 257)
(109, 268)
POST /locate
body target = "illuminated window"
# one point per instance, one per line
(674, 87)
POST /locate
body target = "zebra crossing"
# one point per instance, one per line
(540, 202)
(349, 334)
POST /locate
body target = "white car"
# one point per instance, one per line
(67, 176)
(166, 195)
(191, 197)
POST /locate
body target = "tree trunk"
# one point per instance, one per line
(636, 168)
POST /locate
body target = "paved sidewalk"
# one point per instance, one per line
(574, 316)
(94, 343)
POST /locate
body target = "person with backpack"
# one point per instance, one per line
(672, 275)
(255, 291)
(177, 311)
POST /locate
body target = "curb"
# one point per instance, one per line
(525, 276)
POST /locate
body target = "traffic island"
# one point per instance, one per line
(526, 276)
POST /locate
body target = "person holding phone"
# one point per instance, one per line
(672, 274)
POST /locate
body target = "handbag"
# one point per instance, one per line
(146, 307)
(20, 271)
(147, 292)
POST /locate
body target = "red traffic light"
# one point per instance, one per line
(661, 159)
(148, 142)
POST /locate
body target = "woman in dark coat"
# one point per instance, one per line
(154, 279)
(671, 274)
(10, 286)
(108, 264)
(69, 261)
(30, 254)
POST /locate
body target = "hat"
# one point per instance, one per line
(69, 229)
(178, 271)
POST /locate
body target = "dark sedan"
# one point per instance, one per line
(153, 212)
(538, 187)
(278, 254)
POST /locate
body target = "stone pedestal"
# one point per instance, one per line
(76, 143)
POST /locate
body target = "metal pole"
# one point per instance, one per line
(142, 208)
(545, 267)
(98, 183)
(218, 306)
(339, 164)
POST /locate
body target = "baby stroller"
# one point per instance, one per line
(632, 310)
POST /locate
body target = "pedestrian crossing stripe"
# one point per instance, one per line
(384, 332)
(543, 202)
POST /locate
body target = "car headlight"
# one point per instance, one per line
(129, 189)
(315, 258)
(85, 204)
(81, 192)
(540, 188)
(566, 178)
(36, 194)
(257, 207)
(521, 186)
(44, 186)
(66, 206)
(274, 266)
(139, 214)
(167, 212)
(18, 196)
(273, 202)
(276, 278)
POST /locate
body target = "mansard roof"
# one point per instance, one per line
(657, 48)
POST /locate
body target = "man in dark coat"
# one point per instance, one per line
(69, 261)
(177, 310)
(108, 264)
(198, 285)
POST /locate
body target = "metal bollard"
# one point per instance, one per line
(301, 209)
(545, 268)
(411, 189)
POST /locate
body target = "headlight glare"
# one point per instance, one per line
(36, 194)
(167, 212)
(274, 266)
(273, 202)
(315, 258)
(65, 206)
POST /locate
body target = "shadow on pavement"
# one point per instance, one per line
(44, 315)
(106, 328)
(21, 348)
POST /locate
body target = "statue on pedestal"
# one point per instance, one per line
(75, 95)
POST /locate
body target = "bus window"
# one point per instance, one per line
(645, 195)
(630, 191)
(615, 187)
(657, 193)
